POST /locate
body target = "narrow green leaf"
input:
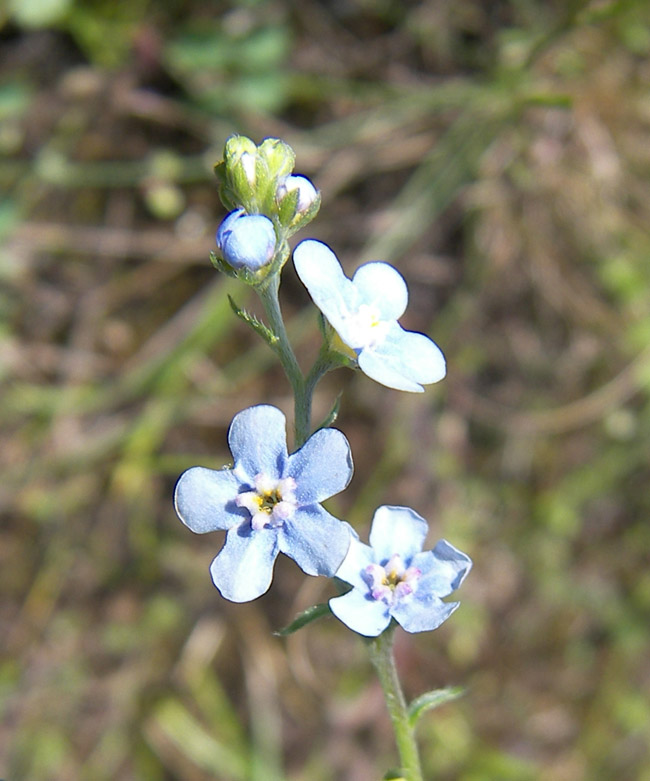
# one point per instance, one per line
(190, 737)
(430, 700)
(269, 337)
(312, 613)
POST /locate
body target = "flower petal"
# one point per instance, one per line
(358, 557)
(322, 467)
(422, 615)
(381, 285)
(404, 360)
(258, 441)
(361, 612)
(205, 499)
(443, 569)
(332, 292)
(243, 570)
(315, 540)
(397, 530)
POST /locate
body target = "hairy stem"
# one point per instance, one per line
(381, 655)
(302, 394)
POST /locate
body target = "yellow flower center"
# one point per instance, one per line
(271, 503)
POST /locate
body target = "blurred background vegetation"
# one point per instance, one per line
(498, 153)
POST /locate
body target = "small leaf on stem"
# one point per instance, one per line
(312, 613)
(433, 699)
(269, 337)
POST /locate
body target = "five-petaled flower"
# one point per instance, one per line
(394, 578)
(269, 503)
(364, 311)
(246, 240)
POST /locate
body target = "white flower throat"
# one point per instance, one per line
(271, 503)
(392, 581)
(367, 327)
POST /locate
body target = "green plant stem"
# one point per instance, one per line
(325, 362)
(381, 655)
(302, 392)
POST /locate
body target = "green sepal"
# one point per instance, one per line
(234, 174)
(222, 266)
(265, 192)
(228, 197)
(340, 353)
(430, 700)
(312, 613)
(302, 218)
(394, 775)
(269, 337)
(288, 207)
(279, 157)
(221, 173)
(282, 252)
(325, 328)
(244, 178)
(278, 160)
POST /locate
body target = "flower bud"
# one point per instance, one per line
(307, 193)
(278, 157)
(246, 240)
(247, 163)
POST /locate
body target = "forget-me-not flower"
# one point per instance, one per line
(269, 503)
(246, 240)
(364, 311)
(393, 578)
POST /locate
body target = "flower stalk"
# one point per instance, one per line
(301, 393)
(381, 654)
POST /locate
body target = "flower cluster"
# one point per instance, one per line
(269, 501)
(267, 205)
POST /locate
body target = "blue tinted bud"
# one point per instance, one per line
(307, 193)
(246, 240)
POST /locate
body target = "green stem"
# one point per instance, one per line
(381, 655)
(325, 362)
(303, 386)
(301, 392)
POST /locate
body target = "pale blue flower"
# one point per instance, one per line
(269, 503)
(246, 240)
(393, 578)
(364, 313)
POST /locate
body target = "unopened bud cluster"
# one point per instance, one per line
(268, 204)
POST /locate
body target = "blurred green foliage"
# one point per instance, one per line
(497, 153)
(227, 69)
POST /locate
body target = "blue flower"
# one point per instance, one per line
(246, 240)
(393, 578)
(269, 503)
(364, 312)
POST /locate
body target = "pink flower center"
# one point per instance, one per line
(393, 580)
(271, 503)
